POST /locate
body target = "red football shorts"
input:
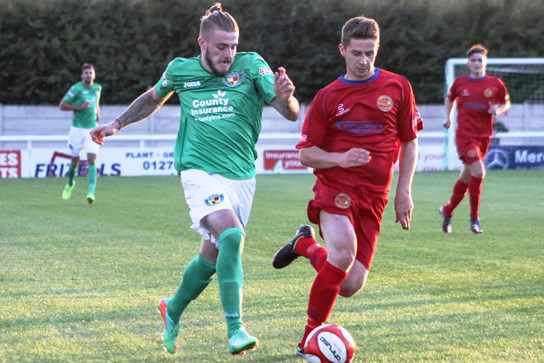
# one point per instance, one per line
(364, 209)
(471, 149)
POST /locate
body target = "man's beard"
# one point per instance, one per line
(215, 71)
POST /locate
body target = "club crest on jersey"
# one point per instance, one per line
(214, 199)
(385, 103)
(488, 92)
(342, 201)
(232, 79)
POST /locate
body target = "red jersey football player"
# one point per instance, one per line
(479, 97)
(353, 133)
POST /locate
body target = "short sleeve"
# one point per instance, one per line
(314, 127)
(504, 96)
(452, 92)
(409, 121)
(264, 78)
(165, 85)
(71, 95)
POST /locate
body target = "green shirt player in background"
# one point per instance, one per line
(222, 94)
(84, 99)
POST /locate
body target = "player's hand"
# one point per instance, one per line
(446, 123)
(84, 105)
(354, 157)
(101, 131)
(283, 86)
(493, 108)
(403, 210)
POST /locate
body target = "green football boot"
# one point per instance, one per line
(171, 330)
(241, 341)
(67, 192)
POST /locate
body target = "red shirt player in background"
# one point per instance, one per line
(353, 133)
(479, 98)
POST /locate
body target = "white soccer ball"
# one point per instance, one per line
(329, 343)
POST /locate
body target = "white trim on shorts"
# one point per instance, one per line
(207, 193)
(80, 139)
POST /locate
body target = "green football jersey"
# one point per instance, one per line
(220, 116)
(76, 95)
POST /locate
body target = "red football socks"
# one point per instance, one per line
(323, 295)
(459, 190)
(309, 248)
(474, 192)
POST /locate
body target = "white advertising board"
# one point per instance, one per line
(111, 161)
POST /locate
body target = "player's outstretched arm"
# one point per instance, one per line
(315, 157)
(143, 106)
(284, 102)
(66, 106)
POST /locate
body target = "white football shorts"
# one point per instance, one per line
(206, 193)
(79, 139)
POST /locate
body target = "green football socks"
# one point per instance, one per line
(91, 178)
(197, 275)
(230, 276)
(71, 174)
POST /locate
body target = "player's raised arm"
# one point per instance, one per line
(284, 102)
(143, 106)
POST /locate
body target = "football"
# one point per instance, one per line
(329, 343)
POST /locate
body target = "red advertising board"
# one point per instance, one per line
(282, 160)
(10, 163)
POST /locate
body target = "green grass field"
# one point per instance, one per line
(80, 283)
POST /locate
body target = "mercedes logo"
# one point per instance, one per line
(496, 159)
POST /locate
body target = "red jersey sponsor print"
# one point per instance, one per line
(474, 96)
(376, 114)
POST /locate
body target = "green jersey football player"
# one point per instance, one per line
(83, 98)
(222, 94)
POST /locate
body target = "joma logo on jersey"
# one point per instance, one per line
(214, 199)
(191, 84)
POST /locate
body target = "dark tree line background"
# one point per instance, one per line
(44, 42)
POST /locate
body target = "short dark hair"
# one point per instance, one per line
(477, 48)
(86, 66)
(360, 27)
(216, 18)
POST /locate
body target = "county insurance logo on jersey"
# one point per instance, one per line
(233, 79)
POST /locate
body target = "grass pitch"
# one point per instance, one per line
(80, 283)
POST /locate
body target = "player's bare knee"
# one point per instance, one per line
(350, 289)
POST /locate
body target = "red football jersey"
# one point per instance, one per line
(376, 114)
(474, 96)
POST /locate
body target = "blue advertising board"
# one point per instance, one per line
(515, 157)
